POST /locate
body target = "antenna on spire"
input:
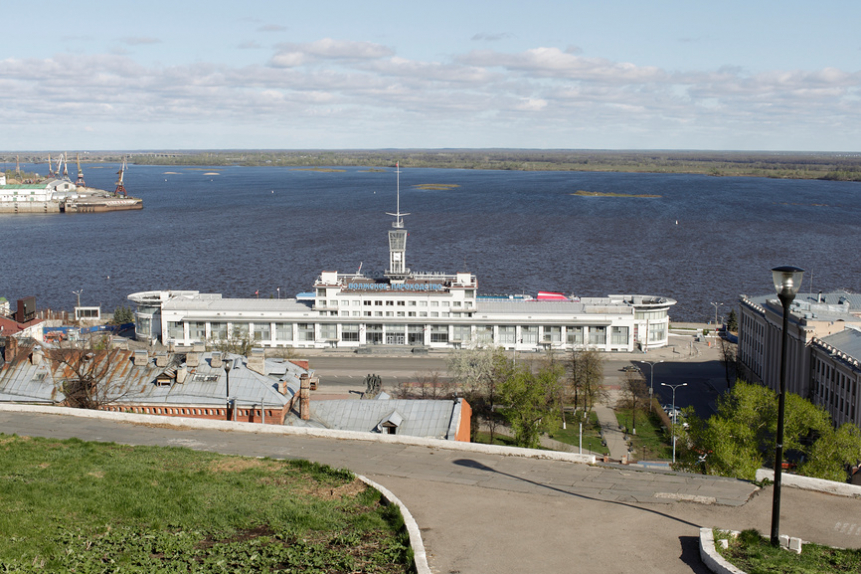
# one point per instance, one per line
(398, 223)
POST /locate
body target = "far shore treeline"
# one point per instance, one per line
(843, 166)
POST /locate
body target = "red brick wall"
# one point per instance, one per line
(274, 416)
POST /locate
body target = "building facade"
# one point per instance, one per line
(836, 375)
(813, 317)
(433, 310)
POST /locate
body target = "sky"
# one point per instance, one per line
(370, 74)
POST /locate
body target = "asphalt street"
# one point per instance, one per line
(486, 513)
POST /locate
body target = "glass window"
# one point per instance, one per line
(374, 334)
(402, 303)
(262, 332)
(575, 335)
(529, 335)
(305, 331)
(239, 330)
(175, 330)
(284, 331)
(462, 333)
(552, 334)
(218, 331)
(434, 303)
(619, 336)
(484, 334)
(350, 333)
(507, 335)
(423, 303)
(411, 303)
(197, 331)
(657, 332)
(439, 334)
(328, 332)
(597, 335)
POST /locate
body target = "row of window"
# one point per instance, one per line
(188, 411)
(392, 303)
(374, 333)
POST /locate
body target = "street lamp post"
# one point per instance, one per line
(651, 379)
(227, 365)
(716, 306)
(673, 413)
(787, 281)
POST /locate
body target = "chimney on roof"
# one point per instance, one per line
(215, 362)
(11, 349)
(304, 397)
(257, 361)
(198, 347)
(181, 374)
(192, 359)
(161, 359)
(141, 358)
(819, 297)
(37, 356)
(282, 387)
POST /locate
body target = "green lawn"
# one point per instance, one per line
(754, 554)
(650, 442)
(591, 433)
(74, 506)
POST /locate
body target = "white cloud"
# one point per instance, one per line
(480, 98)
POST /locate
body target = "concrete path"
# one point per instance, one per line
(611, 432)
(485, 513)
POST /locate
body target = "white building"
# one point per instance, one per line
(836, 375)
(433, 310)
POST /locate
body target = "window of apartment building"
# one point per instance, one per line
(175, 330)
(262, 332)
(374, 334)
(218, 331)
(239, 331)
(484, 334)
(328, 332)
(197, 330)
(507, 335)
(462, 333)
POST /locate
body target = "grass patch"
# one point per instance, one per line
(74, 506)
(754, 554)
(592, 440)
(483, 437)
(650, 442)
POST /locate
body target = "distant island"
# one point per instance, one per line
(320, 169)
(835, 166)
(436, 186)
(602, 194)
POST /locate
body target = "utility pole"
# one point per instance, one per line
(78, 293)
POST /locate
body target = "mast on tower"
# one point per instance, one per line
(80, 181)
(121, 189)
(398, 239)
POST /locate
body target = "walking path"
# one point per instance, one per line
(484, 513)
(613, 435)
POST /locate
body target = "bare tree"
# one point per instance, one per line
(89, 379)
(586, 378)
(430, 386)
(729, 360)
(635, 393)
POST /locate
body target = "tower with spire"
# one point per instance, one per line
(398, 271)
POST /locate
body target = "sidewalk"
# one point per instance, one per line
(613, 436)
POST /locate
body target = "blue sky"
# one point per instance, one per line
(755, 75)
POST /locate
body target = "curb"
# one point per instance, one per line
(815, 484)
(710, 557)
(180, 422)
(420, 558)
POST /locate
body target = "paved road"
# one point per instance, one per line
(484, 513)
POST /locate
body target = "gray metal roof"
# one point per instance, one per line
(418, 418)
(834, 306)
(847, 341)
(236, 305)
(23, 381)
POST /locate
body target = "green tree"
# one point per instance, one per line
(122, 316)
(635, 393)
(739, 438)
(732, 322)
(479, 372)
(531, 402)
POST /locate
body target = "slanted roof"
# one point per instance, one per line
(418, 418)
(847, 341)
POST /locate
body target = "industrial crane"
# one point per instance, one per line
(80, 181)
(121, 189)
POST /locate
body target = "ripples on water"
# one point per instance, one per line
(252, 229)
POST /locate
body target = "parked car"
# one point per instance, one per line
(631, 369)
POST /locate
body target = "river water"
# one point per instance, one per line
(251, 229)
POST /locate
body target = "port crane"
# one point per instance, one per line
(80, 181)
(121, 189)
